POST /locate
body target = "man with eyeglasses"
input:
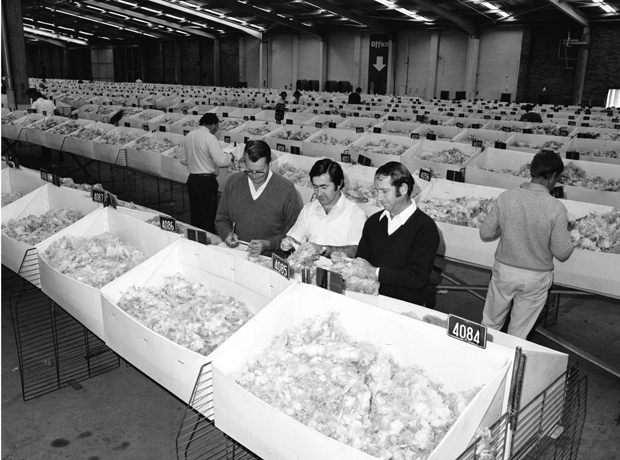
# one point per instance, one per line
(399, 243)
(257, 206)
(203, 155)
(331, 222)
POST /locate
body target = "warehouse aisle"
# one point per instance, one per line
(122, 414)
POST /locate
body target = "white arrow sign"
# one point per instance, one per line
(379, 64)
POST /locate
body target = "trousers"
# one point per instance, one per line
(526, 289)
(202, 191)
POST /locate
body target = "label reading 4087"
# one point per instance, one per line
(467, 331)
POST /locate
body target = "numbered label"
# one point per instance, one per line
(364, 161)
(431, 137)
(318, 125)
(359, 129)
(376, 130)
(467, 331)
(281, 266)
(426, 175)
(98, 196)
(345, 158)
(280, 147)
(460, 125)
(331, 125)
(168, 223)
(289, 122)
(572, 155)
(145, 126)
(476, 143)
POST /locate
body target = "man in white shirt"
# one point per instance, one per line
(331, 222)
(43, 105)
(203, 155)
(399, 243)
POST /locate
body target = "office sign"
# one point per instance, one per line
(378, 57)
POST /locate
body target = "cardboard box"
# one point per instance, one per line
(109, 152)
(245, 113)
(458, 366)
(298, 117)
(397, 128)
(586, 270)
(223, 110)
(106, 112)
(488, 137)
(23, 180)
(284, 145)
(140, 119)
(585, 146)
(242, 134)
(163, 123)
(444, 133)
(186, 124)
(171, 365)
(322, 121)
(533, 142)
(496, 159)
(33, 132)
(411, 158)
(84, 147)
(80, 300)
(355, 123)
(38, 202)
(334, 152)
(149, 161)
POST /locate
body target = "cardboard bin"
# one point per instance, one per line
(333, 151)
(83, 301)
(148, 160)
(109, 152)
(284, 145)
(85, 147)
(411, 158)
(458, 366)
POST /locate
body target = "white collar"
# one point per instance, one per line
(394, 223)
(256, 192)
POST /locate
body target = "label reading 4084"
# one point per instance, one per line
(467, 331)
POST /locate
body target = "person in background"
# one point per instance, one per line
(399, 243)
(138, 81)
(42, 104)
(203, 155)
(331, 222)
(281, 99)
(257, 206)
(355, 97)
(298, 98)
(532, 227)
(529, 115)
(43, 84)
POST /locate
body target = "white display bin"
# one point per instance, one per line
(245, 113)
(472, 122)
(324, 121)
(149, 161)
(163, 123)
(284, 145)
(444, 133)
(56, 138)
(366, 175)
(585, 270)
(600, 134)
(411, 158)
(458, 366)
(80, 300)
(34, 134)
(298, 118)
(334, 152)
(85, 147)
(109, 152)
(171, 365)
(22, 180)
(106, 112)
(241, 134)
(141, 120)
(506, 126)
(223, 110)
(186, 124)
(358, 124)
(585, 147)
(533, 143)
(17, 129)
(379, 159)
(488, 138)
(127, 120)
(397, 128)
(45, 198)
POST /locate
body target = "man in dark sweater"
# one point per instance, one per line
(257, 206)
(400, 242)
(529, 115)
(355, 97)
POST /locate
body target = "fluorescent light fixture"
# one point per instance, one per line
(150, 10)
(127, 3)
(503, 14)
(84, 33)
(191, 5)
(387, 3)
(174, 17)
(66, 28)
(489, 6)
(101, 10)
(607, 8)
(46, 23)
(32, 30)
(140, 20)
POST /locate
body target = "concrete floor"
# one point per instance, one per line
(122, 414)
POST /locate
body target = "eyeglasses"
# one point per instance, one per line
(251, 173)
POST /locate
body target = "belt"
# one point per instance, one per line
(204, 174)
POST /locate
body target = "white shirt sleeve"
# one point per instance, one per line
(220, 158)
(300, 229)
(357, 227)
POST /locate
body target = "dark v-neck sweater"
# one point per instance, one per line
(405, 257)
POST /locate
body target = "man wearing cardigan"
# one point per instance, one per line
(257, 206)
(400, 242)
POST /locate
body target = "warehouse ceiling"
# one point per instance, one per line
(96, 22)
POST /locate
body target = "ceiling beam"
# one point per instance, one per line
(134, 14)
(40, 38)
(570, 12)
(347, 14)
(254, 11)
(209, 17)
(464, 24)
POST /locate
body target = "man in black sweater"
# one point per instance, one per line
(400, 242)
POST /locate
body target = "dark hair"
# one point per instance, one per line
(297, 94)
(283, 94)
(209, 119)
(546, 163)
(329, 166)
(358, 90)
(39, 94)
(399, 175)
(528, 107)
(256, 150)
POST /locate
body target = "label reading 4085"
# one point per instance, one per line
(281, 266)
(467, 331)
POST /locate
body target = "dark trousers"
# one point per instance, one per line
(202, 191)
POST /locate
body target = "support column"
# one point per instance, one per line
(357, 62)
(431, 85)
(14, 66)
(322, 64)
(242, 58)
(471, 68)
(295, 69)
(216, 62)
(263, 67)
(389, 89)
(162, 57)
(178, 77)
(580, 67)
